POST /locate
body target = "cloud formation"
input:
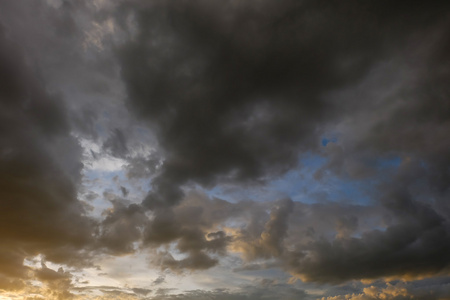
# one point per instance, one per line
(236, 91)
(144, 128)
(39, 171)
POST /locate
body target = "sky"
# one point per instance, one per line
(224, 149)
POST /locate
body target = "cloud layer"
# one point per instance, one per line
(183, 134)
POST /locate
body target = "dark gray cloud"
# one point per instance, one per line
(39, 170)
(121, 227)
(236, 91)
(268, 241)
(405, 250)
(193, 229)
(403, 237)
(116, 143)
(200, 94)
(161, 279)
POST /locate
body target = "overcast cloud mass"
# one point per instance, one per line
(209, 149)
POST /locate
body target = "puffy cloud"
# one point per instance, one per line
(396, 291)
(58, 283)
(396, 251)
(193, 230)
(270, 241)
(121, 227)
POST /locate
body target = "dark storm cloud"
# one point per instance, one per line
(236, 90)
(336, 242)
(232, 91)
(39, 170)
(409, 249)
(409, 122)
(327, 243)
(412, 238)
